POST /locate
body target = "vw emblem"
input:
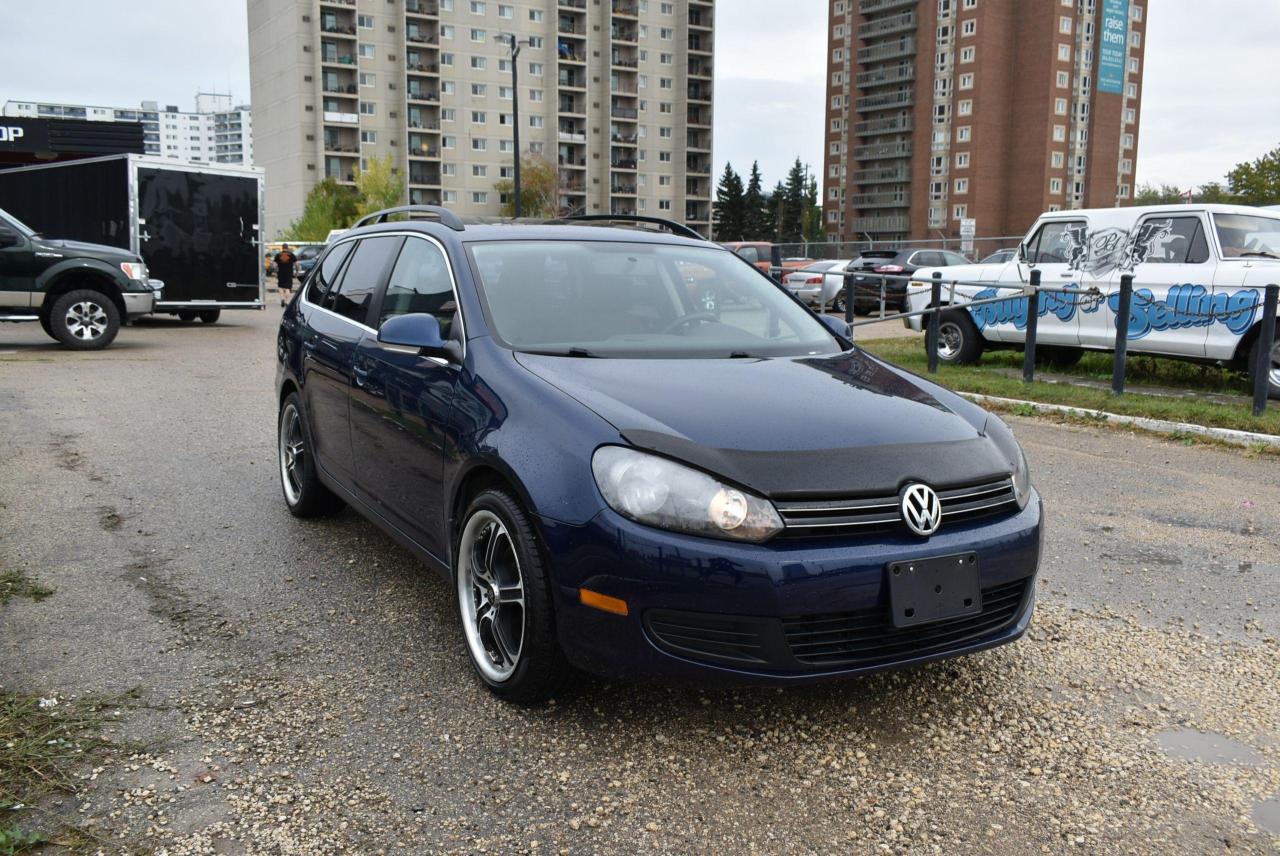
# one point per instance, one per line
(921, 510)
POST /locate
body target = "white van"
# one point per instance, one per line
(1198, 277)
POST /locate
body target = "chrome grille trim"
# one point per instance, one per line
(882, 513)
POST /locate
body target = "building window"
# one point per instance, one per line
(446, 60)
(449, 141)
(479, 170)
(1064, 53)
(1135, 39)
(367, 51)
(964, 108)
(666, 33)
(537, 122)
(962, 186)
(1129, 115)
(1133, 65)
(368, 137)
(364, 22)
(478, 63)
(449, 196)
(477, 7)
(966, 80)
(1126, 141)
(1064, 24)
(1064, 80)
(535, 68)
(961, 212)
(479, 144)
(664, 204)
(448, 114)
(1057, 159)
(1060, 106)
(964, 133)
(479, 36)
(970, 4)
(479, 89)
(969, 27)
(1124, 191)
(1131, 90)
(962, 160)
(1059, 133)
(506, 11)
(446, 31)
(1136, 12)
(535, 15)
(535, 95)
(480, 197)
(478, 117)
(1055, 185)
(368, 108)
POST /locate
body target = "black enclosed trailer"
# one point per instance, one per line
(196, 226)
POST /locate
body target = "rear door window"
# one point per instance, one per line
(327, 272)
(1171, 241)
(362, 277)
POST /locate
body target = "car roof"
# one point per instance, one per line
(482, 232)
(1142, 210)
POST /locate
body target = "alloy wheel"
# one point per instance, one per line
(491, 595)
(950, 338)
(86, 320)
(1274, 374)
(292, 451)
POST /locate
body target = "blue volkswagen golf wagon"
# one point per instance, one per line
(632, 453)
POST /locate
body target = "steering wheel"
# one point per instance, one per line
(688, 319)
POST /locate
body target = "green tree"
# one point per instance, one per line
(539, 189)
(1151, 194)
(378, 187)
(1257, 182)
(813, 211)
(791, 221)
(329, 206)
(758, 220)
(1213, 192)
(778, 212)
(729, 210)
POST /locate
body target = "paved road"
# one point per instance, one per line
(303, 687)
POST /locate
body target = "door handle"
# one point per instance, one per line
(359, 375)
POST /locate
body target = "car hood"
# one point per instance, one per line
(791, 427)
(83, 248)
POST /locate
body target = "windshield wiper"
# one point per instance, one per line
(568, 352)
(1266, 254)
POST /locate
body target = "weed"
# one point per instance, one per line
(17, 584)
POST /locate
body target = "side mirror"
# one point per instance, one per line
(417, 330)
(1022, 251)
(837, 326)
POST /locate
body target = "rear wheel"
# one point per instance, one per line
(1059, 357)
(1271, 366)
(304, 493)
(959, 341)
(210, 316)
(504, 597)
(84, 320)
(186, 315)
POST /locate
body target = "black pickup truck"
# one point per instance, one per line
(80, 293)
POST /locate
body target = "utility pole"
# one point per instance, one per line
(515, 45)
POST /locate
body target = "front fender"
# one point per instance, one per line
(82, 266)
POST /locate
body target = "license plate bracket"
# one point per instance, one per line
(922, 591)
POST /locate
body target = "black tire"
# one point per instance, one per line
(837, 302)
(187, 315)
(84, 320)
(44, 325)
(1060, 357)
(959, 341)
(210, 316)
(540, 668)
(304, 493)
(1272, 367)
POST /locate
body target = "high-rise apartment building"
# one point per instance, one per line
(217, 131)
(940, 111)
(615, 95)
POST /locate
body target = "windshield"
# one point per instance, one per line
(1247, 235)
(18, 226)
(595, 298)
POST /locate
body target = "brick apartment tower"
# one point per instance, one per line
(995, 110)
(615, 94)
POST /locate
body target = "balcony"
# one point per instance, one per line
(882, 151)
(883, 76)
(699, 92)
(569, 25)
(867, 7)
(422, 7)
(423, 174)
(885, 26)
(334, 117)
(700, 116)
(884, 199)
(699, 164)
(621, 189)
(572, 162)
(699, 19)
(904, 46)
(571, 51)
(619, 139)
(573, 4)
(421, 38)
(699, 43)
(420, 93)
(699, 67)
(620, 112)
(889, 125)
(882, 175)
(573, 106)
(887, 101)
(698, 141)
(626, 8)
(875, 225)
(335, 28)
(572, 136)
(625, 34)
(623, 163)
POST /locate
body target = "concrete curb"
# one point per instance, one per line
(1226, 435)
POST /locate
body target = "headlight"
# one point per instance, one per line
(658, 492)
(134, 270)
(1004, 440)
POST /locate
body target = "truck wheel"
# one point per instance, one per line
(959, 342)
(1059, 357)
(210, 316)
(186, 315)
(1272, 366)
(84, 320)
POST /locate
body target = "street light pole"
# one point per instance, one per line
(515, 44)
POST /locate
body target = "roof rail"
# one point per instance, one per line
(670, 225)
(444, 215)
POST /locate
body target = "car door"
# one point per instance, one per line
(1168, 255)
(19, 268)
(334, 330)
(401, 401)
(1052, 250)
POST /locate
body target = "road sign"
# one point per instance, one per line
(968, 228)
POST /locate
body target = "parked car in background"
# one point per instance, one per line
(1199, 274)
(79, 292)
(760, 254)
(307, 256)
(819, 284)
(613, 476)
(897, 263)
(999, 257)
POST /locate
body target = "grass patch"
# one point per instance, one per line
(17, 584)
(909, 353)
(42, 745)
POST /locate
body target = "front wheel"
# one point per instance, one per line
(304, 493)
(84, 320)
(959, 341)
(1271, 366)
(210, 316)
(504, 597)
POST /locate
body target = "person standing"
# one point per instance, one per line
(285, 260)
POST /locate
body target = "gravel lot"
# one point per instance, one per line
(303, 687)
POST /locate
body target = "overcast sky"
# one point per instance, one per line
(1212, 95)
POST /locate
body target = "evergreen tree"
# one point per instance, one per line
(757, 217)
(792, 210)
(812, 211)
(729, 209)
(778, 213)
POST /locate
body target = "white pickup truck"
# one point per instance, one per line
(1199, 273)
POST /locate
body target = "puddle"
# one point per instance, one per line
(1266, 815)
(1192, 745)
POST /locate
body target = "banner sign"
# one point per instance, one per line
(1112, 45)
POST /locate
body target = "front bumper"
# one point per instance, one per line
(139, 302)
(763, 595)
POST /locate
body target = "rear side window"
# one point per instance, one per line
(1053, 242)
(750, 254)
(326, 272)
(955, 259)
(362, 277)
(420, 282)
